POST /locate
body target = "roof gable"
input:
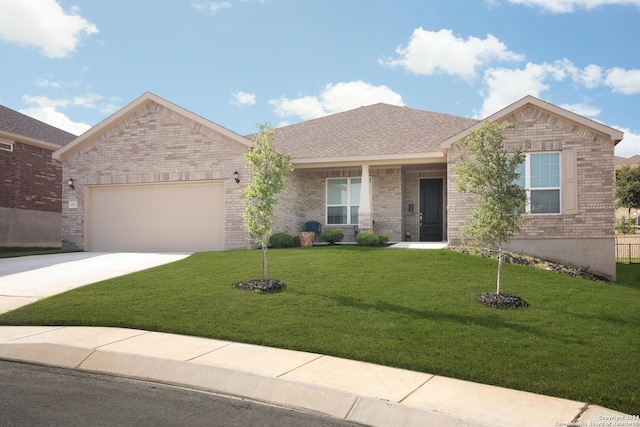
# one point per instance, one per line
(16, 125)
(131, 109)
(614, 134)
(370, 131)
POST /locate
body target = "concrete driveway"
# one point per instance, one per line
(24, 280)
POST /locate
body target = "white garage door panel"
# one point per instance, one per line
(169, 217)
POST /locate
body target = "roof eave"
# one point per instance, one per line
(29, 141)
(371, 160)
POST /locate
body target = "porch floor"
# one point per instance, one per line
(420, 245)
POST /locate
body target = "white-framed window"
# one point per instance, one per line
(6, 146)
(343, 200)
(541, 176)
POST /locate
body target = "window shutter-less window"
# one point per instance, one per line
(569, 182)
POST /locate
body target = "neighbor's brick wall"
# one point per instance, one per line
(30, 179)
(536, 130)
(156, 145)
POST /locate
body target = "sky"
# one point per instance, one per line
(239, 63)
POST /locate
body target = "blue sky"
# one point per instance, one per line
(72, 63)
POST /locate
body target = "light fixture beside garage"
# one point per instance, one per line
(236, 176)
(70, 184)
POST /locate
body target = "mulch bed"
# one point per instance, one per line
(259, 285)
(502, 300)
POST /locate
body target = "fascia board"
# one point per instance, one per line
(377, 160)
(14, 137)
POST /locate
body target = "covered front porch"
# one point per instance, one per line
(405, 201)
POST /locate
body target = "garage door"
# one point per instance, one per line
(156, 218)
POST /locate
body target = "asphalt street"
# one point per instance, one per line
(33, 395)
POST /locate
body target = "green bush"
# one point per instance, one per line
(296, 241)
(625, 225)
(281, 240)
(332, 235)
(367, 239)
(383, 238)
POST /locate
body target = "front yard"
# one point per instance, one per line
(413, 309)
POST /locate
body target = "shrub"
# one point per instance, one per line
(367, 239)
(625, 225)
(383, 238)
(332, 235)
(281, 240)
(296, 241)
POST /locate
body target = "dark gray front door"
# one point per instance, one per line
(431, 221)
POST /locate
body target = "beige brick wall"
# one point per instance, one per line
(536, 130)
(305, 200)
(155, 145)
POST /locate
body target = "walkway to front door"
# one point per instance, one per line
(420, 245)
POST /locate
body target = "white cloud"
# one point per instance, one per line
(582, 109)
(241, 98)
(335, 98)
(623, 81)
(212, 7)
(566, 6)
(430, 52)
(55, 118)
(630, 144)
(505, 86)
(45, 25)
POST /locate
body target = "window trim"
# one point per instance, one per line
(6, 145)
(529, 189)
(348, 205)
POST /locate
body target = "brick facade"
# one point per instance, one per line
(30, 179)
(156, 145)
(535, 130)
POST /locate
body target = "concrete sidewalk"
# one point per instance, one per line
(345, 389)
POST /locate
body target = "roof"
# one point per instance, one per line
(614, 134)
(621, 161)
(14, 124)
(379, 130)
(136, 105)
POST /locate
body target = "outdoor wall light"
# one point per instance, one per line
(236, 176)
(70, 184)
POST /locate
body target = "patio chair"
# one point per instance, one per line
(314, 226)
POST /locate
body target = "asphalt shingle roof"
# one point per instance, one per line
(635, 160)
(21, 124)
(378, 129)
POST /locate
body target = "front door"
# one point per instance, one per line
(431, 215)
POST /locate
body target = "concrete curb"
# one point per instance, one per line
(344, 389)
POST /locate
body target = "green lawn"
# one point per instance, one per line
(406, 308)
(10, 252)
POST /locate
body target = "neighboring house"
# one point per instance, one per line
(620, 212)
(156, 177)
(30, 181)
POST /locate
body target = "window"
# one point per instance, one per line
(343, 198)
(7, 146)
(540, 176)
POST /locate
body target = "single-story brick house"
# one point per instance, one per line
(156, 177)
(30, 181)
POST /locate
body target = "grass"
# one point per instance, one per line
(410, 309)
(10, 252)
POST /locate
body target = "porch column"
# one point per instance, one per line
(365, 216)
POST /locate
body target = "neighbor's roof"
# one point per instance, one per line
(14, 125)
(371, 131)
(635, 160)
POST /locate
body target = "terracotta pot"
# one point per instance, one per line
(306, 239)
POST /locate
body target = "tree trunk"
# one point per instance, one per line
(499, 287)
(264, 262)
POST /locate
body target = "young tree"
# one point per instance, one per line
(628, 188)
(270, 169)
(491, 174)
